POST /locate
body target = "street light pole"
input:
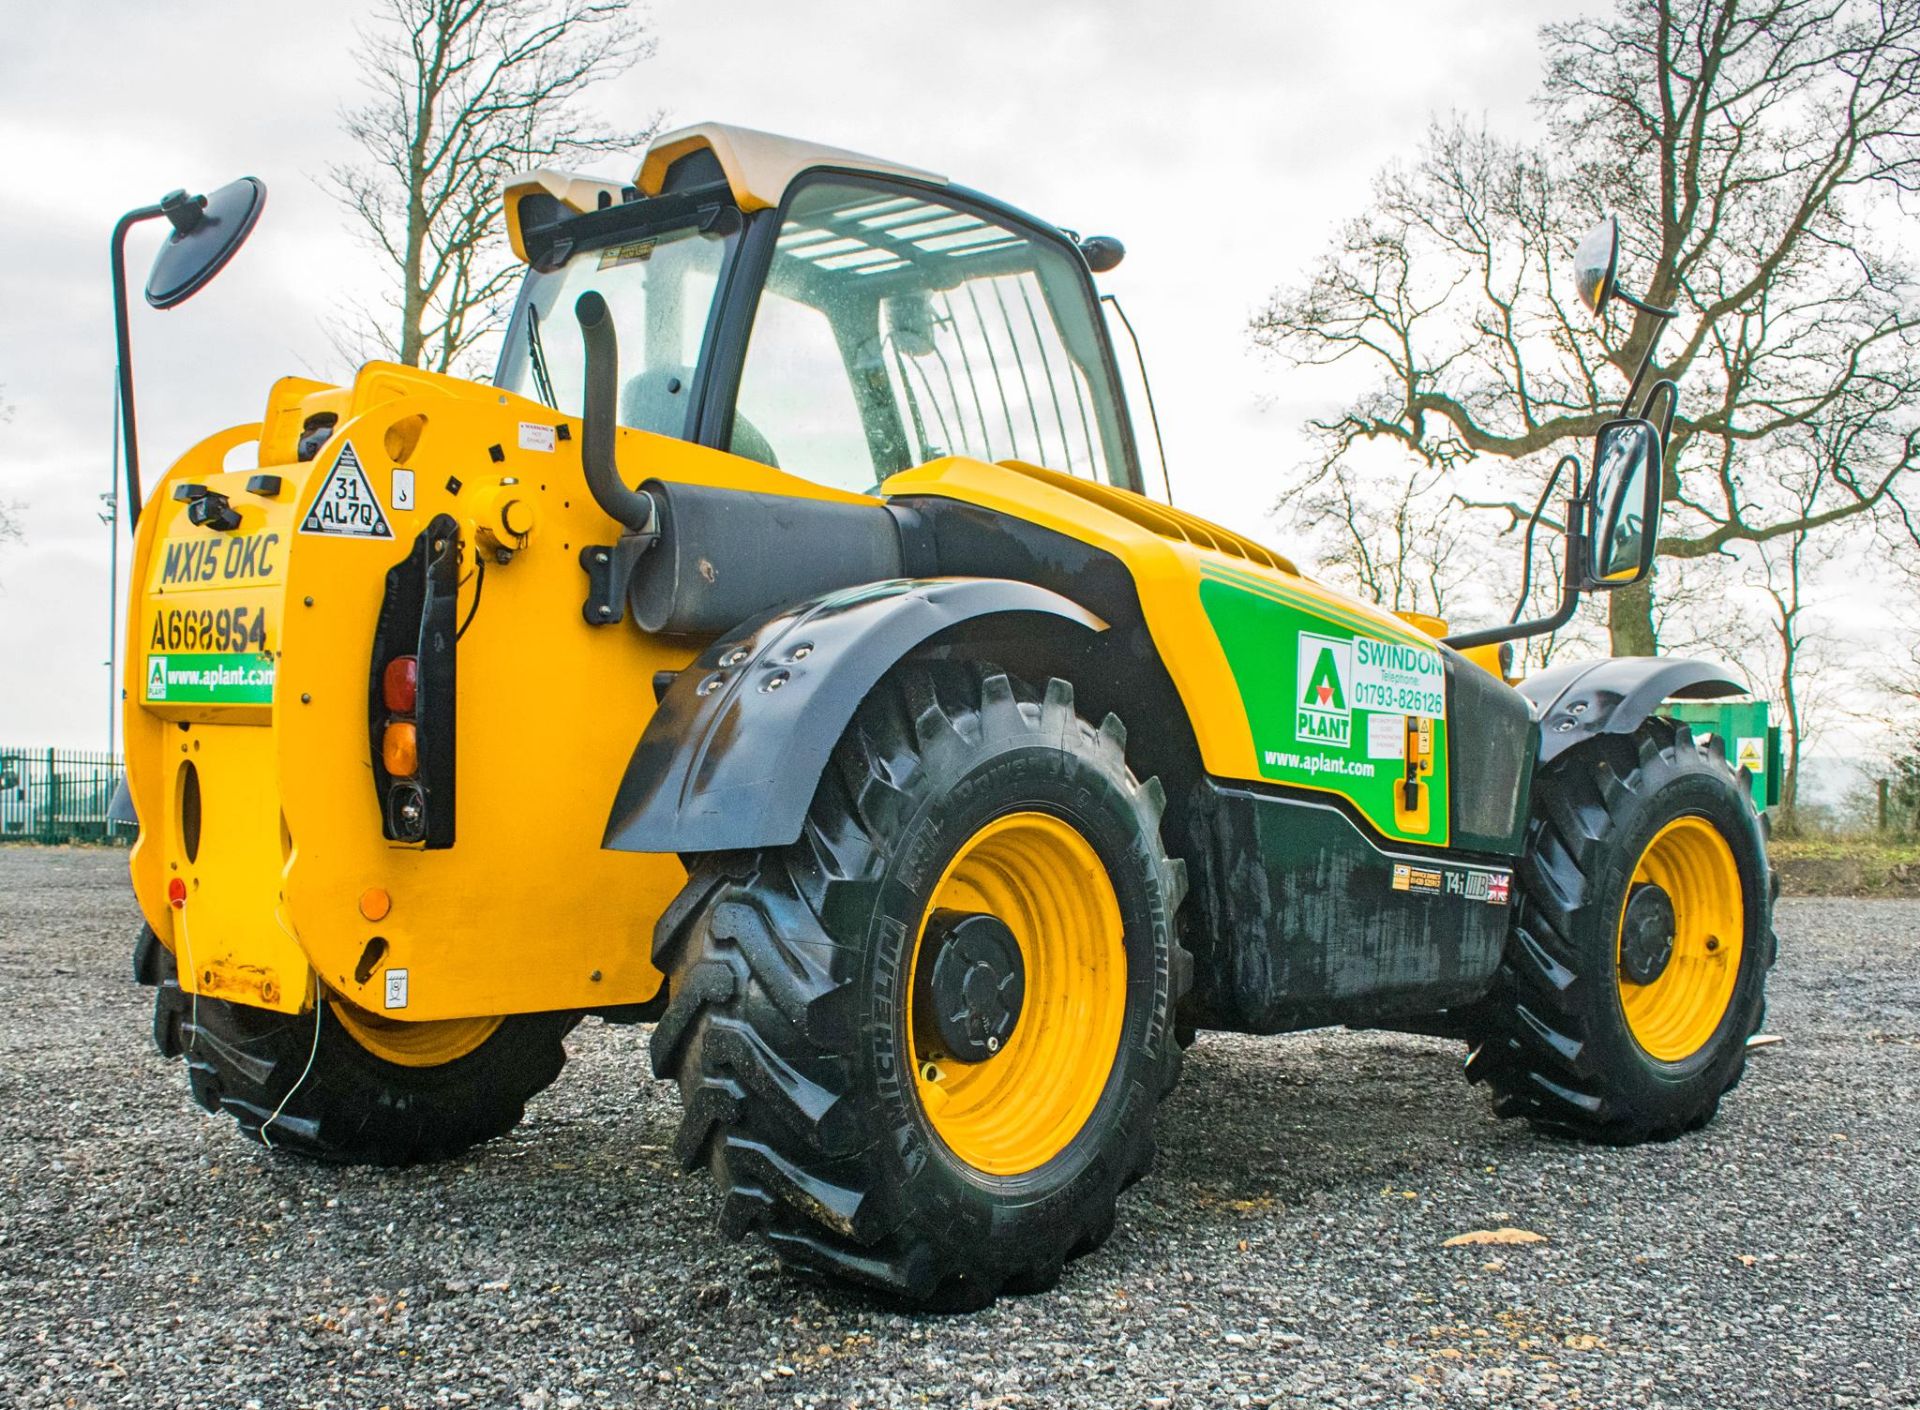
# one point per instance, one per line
(110, 516)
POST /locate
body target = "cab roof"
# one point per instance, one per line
(758, 168)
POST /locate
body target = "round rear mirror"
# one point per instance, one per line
(206, 232)
(1595, 264)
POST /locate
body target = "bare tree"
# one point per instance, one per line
(1403, 549)
(464, 94)
(1785, 565)
(1748, 150)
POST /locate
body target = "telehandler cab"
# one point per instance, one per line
(783, 651)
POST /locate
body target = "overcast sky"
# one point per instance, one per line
(1222, 143)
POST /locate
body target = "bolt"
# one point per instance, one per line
(1713, 943)
(929, 1072)
(603, 611)
(734, 658)
(309, 602)
(1564, 726)
(305, 699)
(993, 1043)
(595, 976)
(801, 653)
(600, 557)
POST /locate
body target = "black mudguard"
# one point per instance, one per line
(732, 756)
(1575, 702)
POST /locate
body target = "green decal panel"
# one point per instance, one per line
(1331, 700)
(210, 678)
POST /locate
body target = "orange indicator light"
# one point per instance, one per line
(400, 749)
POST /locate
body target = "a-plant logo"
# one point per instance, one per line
(1321, 714)
(156, 678)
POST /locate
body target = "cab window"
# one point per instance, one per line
(660, 288)
(896, 328)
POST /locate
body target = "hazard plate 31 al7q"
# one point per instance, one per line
(345, 505)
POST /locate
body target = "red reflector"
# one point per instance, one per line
(177, 893)
(400, 684)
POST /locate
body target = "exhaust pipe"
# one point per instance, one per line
(631, 507)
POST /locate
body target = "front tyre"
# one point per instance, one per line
(1637, 965)
(921, 1048)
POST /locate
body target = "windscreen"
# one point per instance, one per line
(660, 289)
(895, 328)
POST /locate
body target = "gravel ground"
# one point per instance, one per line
(1288, 1250)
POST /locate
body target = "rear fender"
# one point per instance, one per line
(733, 754)
(1575, 702)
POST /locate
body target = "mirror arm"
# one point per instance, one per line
(1533, 522)
(1640, 372)
(1539, 626)
(1641, 304)
(1667, 385)
(123, 355)
(1569, 579)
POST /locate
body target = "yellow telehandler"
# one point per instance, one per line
(783, 651)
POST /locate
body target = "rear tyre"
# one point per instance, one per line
(921, 1048)
(361, 1090)
(1637, 965)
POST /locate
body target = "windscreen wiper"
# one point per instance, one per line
(536, 355)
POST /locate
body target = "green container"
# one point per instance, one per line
(1752, 740)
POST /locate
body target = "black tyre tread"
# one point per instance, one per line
(762, 1021)
(349, 1107)
(1528, 1044)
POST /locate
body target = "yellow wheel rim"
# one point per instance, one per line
(1021, 1107)
(1677, 1014)
(431, 1044)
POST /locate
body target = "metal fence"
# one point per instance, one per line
(59, 795)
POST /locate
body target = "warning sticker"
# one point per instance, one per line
(396, 988)
(345, 505)
(534, 436)
(616, 255)
(1386, 736)
(1750, 753)
(1410, 878)
(402, 489)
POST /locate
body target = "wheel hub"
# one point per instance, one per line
(1646, 934)
(977, 983)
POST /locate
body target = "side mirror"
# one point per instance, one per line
(1596, 264)
(1622, 505)
(206, 232)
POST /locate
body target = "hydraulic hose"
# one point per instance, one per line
(631, 507)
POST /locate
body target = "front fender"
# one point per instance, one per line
(1575, 702)
(732, 757)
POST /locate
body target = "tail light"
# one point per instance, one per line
(400, 749)
(411, 694)
(400, 685)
